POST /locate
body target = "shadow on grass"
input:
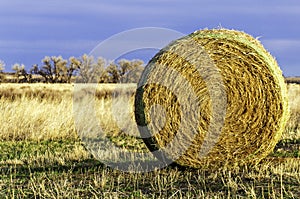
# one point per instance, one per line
(11, 152)
(72, 166)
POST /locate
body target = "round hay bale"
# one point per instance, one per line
(212, 98)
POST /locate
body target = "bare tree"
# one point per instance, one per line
(101, 72)
(92, 71)
(125, 71)
(131, 71)
(86, 69)
(2, 65)
(34, 70)
(73, 68)
(56, 69)
(47, 71)
(2, 68)
(20, 73)
(113, 72)
(60, 69)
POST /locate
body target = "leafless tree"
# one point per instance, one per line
(91, 71)
(125, 71)
(20, 73)
(56, 69)
(2, 68)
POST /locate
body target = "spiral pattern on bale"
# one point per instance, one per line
(256, 107)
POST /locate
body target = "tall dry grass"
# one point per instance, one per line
(293, 125)
(45, 111)
(64, 170)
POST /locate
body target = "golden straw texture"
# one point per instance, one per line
(218, 89)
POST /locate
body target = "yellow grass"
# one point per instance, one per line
(67, 171)
(40, 118)
(293, 126)
(26, 114)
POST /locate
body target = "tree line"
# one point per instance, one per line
(85, 69)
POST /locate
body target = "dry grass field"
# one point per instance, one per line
(293, 80)
(41, 155)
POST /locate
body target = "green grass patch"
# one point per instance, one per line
(287, 149)
(23, 150)
(51, 169)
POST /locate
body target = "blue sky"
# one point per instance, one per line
(32, 29)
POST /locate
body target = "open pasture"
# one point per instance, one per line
(41, 155)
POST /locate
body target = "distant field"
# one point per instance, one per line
(295, 80)
(10, 78)
(41, 155)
